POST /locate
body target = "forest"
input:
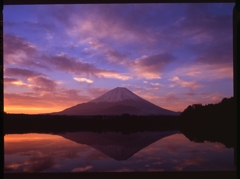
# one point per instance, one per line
(212, 122)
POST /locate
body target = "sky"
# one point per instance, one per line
(173, 55)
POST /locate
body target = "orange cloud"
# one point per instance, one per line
(83, 80)
(82, 169)
(192, 85)
(190, 162)
(16, 82)
(18, 138)
(205, 71)
(109, 74)
(150, 67)
(44, 102)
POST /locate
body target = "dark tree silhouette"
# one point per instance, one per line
(212, 122)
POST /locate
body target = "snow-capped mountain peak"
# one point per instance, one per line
(117, 101)
(116, 95)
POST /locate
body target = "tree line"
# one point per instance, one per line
(212, 122)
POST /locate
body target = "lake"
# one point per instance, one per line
(113, 152)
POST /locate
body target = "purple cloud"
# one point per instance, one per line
(190, 94)
(43, 84)
(186, 84)
(21, 72)
(18, 50)
(38, 81)
(13, 44)
(115, 56)
(72, 65)
(152, 66)
(82, 169)
(210, 36)
(96, 92)
(171, 97)
(10, 80)
(124, 23)
(39, 164)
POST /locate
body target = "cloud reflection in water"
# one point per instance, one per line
(154, 152)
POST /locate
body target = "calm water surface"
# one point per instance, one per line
(113, 152)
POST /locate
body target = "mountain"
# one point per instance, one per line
(117, 101)
(116, 145)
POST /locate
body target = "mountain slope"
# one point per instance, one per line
(116, 102)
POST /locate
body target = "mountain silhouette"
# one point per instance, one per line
(117, 101)
(117, 145)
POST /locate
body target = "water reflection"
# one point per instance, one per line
(94, 152)
(117, 145)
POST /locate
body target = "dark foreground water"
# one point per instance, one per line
(113, 152)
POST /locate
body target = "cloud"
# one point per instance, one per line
(11, 167)
(76, 66)
(212, 98)
(39, 84)
(17, 50)
(125, 23)
(21, 72)
(49, 36)
(16, 82)
(214, 53)
(155, 84)
(190, 162)
(96, 45)
(82, 169)
(43, 84)
(16, 44)
(122, 170)
(209, 72)
(186, 84)
(190, 94)
(61, 13)
(69, 64)
(100, 26)
(29, 146)
(95, 18)
(22, 100)
(10, 80)
(39, 81)
(86, 51)
(151, 67)
(113, 74)
(207, 38)
(142, 91)
(96, 92)
(83, 80)
(115, 56)
(43, 100)
(155, 170)
(171, 97)
(39, 164)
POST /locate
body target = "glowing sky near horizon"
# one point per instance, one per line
(173, 55)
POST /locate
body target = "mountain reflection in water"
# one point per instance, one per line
(112, 152)
(117, 145)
